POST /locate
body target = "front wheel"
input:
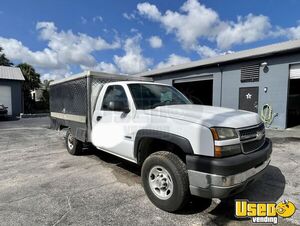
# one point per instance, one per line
(74, 146)
(165, 181)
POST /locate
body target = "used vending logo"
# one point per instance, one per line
(264, 212)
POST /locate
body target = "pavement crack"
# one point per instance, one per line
(17, 200)
(293, 160)
(92, 188)
(65, 214)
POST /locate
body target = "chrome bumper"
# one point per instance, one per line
(218, 186)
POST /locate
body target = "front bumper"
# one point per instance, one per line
(223, 177)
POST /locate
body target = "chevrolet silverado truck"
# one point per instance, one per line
(183, 149)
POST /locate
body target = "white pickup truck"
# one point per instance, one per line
(183, 149)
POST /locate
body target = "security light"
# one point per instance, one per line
(264, 64)
(265, 67)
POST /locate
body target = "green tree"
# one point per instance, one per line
(45, 98)
(3, 60)
(32, 82)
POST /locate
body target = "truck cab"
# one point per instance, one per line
(183, 149)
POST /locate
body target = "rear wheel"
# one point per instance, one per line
(165, 181)
(74, 146)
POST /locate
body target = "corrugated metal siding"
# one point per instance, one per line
(11, 73)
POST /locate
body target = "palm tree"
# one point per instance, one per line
(32, 82)
(46, 89)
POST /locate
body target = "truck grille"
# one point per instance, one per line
(252, 138)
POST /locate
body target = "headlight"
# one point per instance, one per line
(220, 133)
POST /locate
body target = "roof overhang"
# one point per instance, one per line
(279, 48)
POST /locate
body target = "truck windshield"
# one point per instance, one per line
(149, 96)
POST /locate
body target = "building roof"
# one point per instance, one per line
(269, 50)
(11, 73)
(99, 74)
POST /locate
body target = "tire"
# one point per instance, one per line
(166, 197)
(73, 145)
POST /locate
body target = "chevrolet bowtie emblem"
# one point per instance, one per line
(259, 135)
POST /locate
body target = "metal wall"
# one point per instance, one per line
(16, 95)
(227, 81)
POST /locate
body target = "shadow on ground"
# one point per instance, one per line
(8, 118)
(269, 187)
(124, 171)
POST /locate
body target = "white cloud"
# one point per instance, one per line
(97, 18)
(248, 29)
(205, 51)
(194, 22)
(73, 48)
(55, 74)
(134, 30)
(64, 49)
(294, 32)
(289, 32)
(155, 42)
(102, 66)
(149, 10)
(172, 60)
(15, 50)
(133, 61)
(129, 16)
(83, 20)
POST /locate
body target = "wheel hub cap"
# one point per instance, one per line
(70, 141)
(160, 182)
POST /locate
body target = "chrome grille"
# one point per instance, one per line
(252, 138)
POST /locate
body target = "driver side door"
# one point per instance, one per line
(110, 126)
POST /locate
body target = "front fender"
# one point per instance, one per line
(180, 141)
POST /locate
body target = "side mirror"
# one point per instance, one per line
(118, 105)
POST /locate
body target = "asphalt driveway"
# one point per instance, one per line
(41, 184)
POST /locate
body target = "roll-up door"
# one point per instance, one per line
(5, 98)
(295, 71)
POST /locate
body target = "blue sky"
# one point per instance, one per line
(61, 37)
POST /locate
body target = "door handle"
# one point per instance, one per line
(99, 118)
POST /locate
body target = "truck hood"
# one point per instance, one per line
(207, 115)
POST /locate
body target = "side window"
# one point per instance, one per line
(114, 93)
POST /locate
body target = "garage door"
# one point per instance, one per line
(295, 71)
(199, 92)
(193, 79)
(5, 98)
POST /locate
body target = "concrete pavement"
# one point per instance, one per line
(41, 184)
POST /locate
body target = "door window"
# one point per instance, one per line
(114, 93)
